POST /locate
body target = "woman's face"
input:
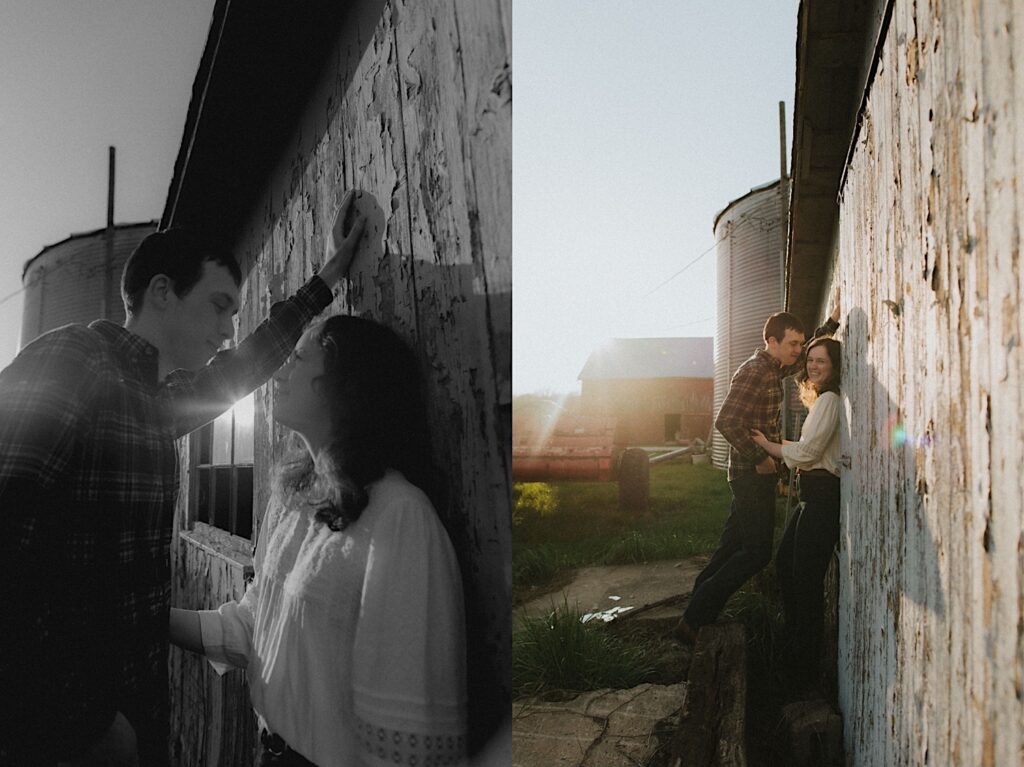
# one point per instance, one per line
(297, 403)
(819, 365)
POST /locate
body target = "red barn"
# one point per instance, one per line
(660, 390)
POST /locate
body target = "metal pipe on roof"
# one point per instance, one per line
(108, 259)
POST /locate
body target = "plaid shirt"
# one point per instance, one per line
(88, 485)
(754, 401)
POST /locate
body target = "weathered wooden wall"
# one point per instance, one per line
(212, 722)
(414, 108)
(931, 601)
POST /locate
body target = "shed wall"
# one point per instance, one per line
(931, 635)
(641, 406)
(414, 108)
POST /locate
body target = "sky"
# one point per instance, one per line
(75, 78)
(634, 124)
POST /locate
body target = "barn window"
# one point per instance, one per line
(224, 468)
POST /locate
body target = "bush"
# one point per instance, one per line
(532, 498)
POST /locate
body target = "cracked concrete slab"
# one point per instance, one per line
(603, 728)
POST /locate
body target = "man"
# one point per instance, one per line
(754, 401)
(88, 484)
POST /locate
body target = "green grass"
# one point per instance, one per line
(557, 654)
(564, 525)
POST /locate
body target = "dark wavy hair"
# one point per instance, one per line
(377, 410)
(809, 392)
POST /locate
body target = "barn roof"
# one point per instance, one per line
(833, 62)
(636, 358)
(261, 61)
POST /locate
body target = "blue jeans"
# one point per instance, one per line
(744, 549)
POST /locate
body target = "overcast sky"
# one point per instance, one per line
(634, 123)
(75, 78)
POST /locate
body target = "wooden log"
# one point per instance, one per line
(712, 727)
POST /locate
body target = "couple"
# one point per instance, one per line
(749, 419)
(352, 560)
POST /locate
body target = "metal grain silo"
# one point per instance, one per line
(749, 234)
(78, 279)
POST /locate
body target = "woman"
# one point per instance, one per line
(813, 530)
(351, 633)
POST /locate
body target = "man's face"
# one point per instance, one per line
(787, 351)
(198, 323)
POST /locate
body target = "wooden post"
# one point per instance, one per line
(108, 261)
(634, 481)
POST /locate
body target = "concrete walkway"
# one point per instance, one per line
(599, 589)
(607, 728)
(603, 728)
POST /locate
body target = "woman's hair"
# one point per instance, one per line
(809, 391)
(375, 402)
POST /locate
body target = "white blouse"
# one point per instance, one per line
(353, 641)
(818, 447)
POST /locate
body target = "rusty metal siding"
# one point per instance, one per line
(931, 645)
(414, 107)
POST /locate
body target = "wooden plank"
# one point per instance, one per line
(930, 220)
(420, 119)
(211, 720)
(455, 330)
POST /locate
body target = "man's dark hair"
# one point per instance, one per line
(779, 323)
(175, 252)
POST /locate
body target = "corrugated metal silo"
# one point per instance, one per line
(751, 267)
(72, 282)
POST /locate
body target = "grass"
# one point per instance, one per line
(566, 525)
(557, 654)
(563, 526)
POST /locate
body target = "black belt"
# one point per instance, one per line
(816, 473)
(273, 743)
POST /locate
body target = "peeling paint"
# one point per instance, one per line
(393, 116)
(931, 585)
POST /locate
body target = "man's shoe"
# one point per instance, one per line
(684, 633)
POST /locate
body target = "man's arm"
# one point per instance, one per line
(736, 416)
(197, 397)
